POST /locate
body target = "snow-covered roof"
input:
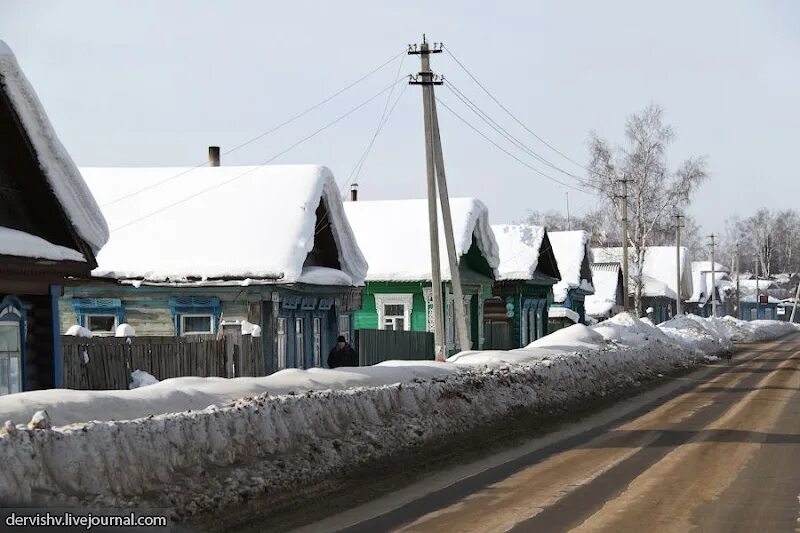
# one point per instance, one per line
(520, 245)
(258, 222)
(574, 256)
(57, 166)
(659, 264)
(393, 234)
(705, 266)
(606, 281)
(763, 284)
(23, 244)
(702, 282)
(563, 312)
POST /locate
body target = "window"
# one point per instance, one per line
(344, 327)
(101, 323)
(195, 324)
(753, 314)
(317, 342)
(299, 349)
(394, 311)
(99, 315)
(394, 316)
(281, 338)
(10, 356)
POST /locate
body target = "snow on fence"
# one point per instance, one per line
(376, 345)
(103, 363)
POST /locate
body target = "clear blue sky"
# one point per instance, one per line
(138, 83)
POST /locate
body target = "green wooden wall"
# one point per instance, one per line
(367, 316)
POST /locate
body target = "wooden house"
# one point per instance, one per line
(518, 311)
(608, 299)
(50, 230)
(394, 237)
(659, 278)
(574, 258)
(703, 287)
(199, 251)
(758, 300)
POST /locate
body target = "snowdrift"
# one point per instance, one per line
(297, 427)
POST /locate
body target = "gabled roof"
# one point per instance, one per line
(63, 179)
(607, 282)
(394, 237)
(659, 264)
(525, 250)
(574, 258)
(258, 222)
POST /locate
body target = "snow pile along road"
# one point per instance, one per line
(319, 423)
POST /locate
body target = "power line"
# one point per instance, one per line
(504, 108)
(476, 130)
(353, 176)
(504, 132)
(223, 183)
(362, 160)
(263, 134)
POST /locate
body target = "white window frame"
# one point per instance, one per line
(345, 332)
(406, 300)
(112, 331)
(197, 315)
(280, 338)
(316, 328)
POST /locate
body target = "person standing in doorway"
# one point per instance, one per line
(342, 354)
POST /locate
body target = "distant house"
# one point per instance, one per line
(518, 312)
(699, 303)
(50, 229)
(574, 258)
(758, 300)
(394, 237)
(608, 299)
(659, 276)
(270, 245)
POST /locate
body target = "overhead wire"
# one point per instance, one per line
(504, 132)
(496, 145)
(263, 134)
(253, 169)
(510, 114)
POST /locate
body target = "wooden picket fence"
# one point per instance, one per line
(101, 363)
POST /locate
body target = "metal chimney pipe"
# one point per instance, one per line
(354, 192)
(213, 156)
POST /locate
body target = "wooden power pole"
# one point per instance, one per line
(625, 258)
(437, 179)
(679, 303)
(713, 276)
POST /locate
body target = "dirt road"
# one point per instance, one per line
(717, 450)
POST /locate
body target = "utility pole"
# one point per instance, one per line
(738, 294)
(713, 277)
(758, 300)
(679, 303)
(569, 222)
(462, 328)
(436, 176)
(794, 304)
(625, 257)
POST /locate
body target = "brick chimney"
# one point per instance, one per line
(354, 192)
(213, 156)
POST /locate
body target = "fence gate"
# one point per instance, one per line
(376, 345)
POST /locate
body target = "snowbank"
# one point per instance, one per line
(203, 460)
(210, 442)
(78, 331)
(140, 378)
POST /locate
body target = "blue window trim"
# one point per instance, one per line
(195, 305)
(13, 310)
(98, 306)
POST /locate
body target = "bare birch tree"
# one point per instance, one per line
(654, 191)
